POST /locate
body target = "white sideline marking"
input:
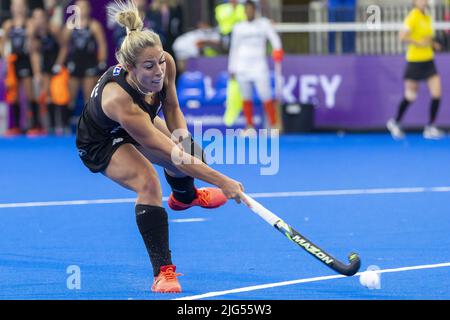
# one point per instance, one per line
(188, 220)
(319, 193)
(315, 279)
(68, 203)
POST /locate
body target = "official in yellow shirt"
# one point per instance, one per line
(418, 33)
(227, 15)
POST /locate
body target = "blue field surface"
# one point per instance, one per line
(386, 200)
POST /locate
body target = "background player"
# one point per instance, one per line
(16, 32)
(418, 34)
(45, 48)
(85, 48)
(248, 63)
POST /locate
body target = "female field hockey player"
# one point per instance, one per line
(418, 34)
(120, 135)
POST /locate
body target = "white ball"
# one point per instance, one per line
(370, 279)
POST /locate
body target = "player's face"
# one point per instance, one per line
(39, 18)
(421, 4)
(250, 12)
(150, 69)
(18, 8)
(85, 8)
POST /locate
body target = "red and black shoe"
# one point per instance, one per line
(208, 198)
(167, 281)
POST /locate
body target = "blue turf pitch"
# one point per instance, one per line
(389, 211)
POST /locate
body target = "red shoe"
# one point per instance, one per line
(35, 132)
(166, 281)
(12, 132)
(208, 198)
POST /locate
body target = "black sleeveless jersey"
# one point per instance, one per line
(94, 125)
(49, 50)
(18, 37)
(82, 44)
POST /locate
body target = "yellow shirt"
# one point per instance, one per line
(420, 26)
(227, 16)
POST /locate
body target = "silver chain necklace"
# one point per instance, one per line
(139, 89)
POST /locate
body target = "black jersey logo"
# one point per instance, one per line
(116, 141)
(81, 152)
(115, 130)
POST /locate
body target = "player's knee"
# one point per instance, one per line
(436, 93)
(410, 95)
(149, 187)
(266, 96)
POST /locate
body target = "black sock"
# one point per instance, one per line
(52, 115)
(434, 107)
(36, 123)
(15, 109)
(153, 225)
(402, 109)
(183, 188)
(66, 116)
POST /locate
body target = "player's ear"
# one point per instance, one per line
(130, 67)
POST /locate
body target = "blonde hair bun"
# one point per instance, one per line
(126, 14)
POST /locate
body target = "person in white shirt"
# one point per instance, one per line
(248, 62)
(204, 40)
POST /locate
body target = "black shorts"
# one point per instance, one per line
(81, 69)
(96, 155)
(419, 71)
(23, 67)
(95, 146)
(47, 64)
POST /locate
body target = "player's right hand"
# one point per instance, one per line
(233, 189)
(56, 69)
(437, 46)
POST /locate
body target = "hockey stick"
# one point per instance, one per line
(304, 243)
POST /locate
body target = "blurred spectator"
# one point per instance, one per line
(84, 49)
(16, 38)
(45, 46)
(55, 11)
(166, 19)
(227, 15)
(205, 40)
(119, 32)
(248, 63)
(342, 11)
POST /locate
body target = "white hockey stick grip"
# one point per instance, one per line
(258, 208)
